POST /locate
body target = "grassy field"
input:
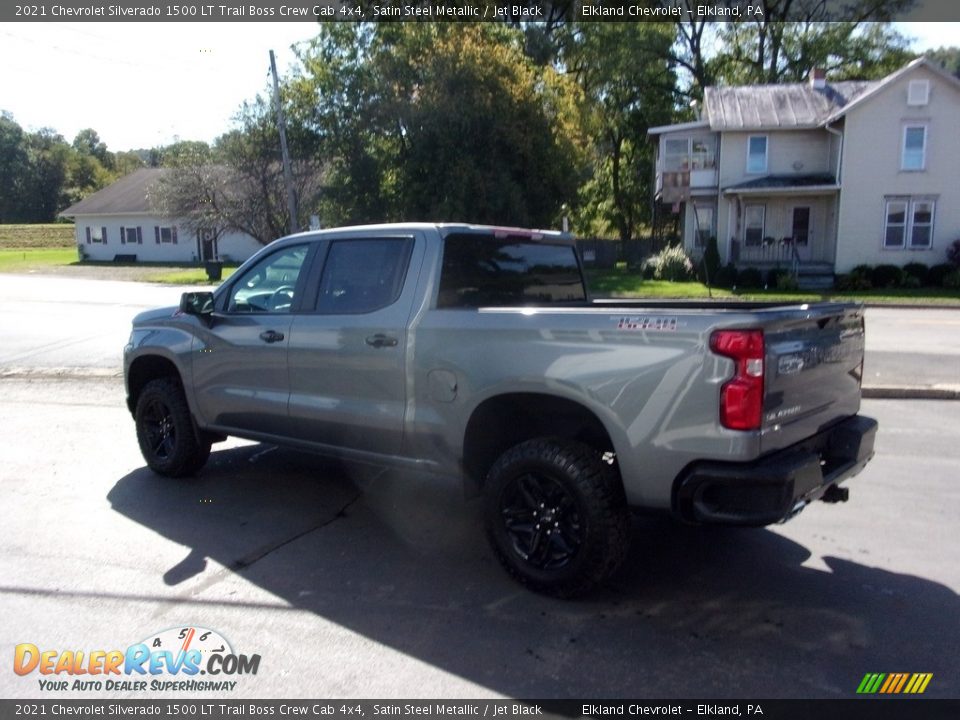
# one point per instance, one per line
(35, 259)
(189, 276)
(53, 235)
(51, 249)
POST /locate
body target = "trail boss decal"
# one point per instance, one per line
(654, 324)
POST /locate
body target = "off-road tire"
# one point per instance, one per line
(165, 430)
(563, 494)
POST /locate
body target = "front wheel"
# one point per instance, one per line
(556, 516)
(165, 430)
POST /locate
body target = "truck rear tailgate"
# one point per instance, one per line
(812, 372)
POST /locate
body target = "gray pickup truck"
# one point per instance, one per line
(475, 352)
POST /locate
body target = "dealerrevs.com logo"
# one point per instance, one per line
(172, 660)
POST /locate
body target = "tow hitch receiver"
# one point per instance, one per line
(835, 494)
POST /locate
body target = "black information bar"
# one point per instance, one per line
(203, 708)
(471, 11)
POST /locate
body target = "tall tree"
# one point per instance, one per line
(238, 185)
(13, 168)
(442, 122)
(628, 80)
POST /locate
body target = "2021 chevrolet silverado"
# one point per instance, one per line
(475, 352)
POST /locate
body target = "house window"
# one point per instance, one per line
(165, 234)
(675, 155)
(703, 230)
(914, 147)
(96, 235)
(131, 236)
(921, 223)
(757, 154)
(909, 223)
(753, 218)
(918, 92)
(895, 232)
(681, 154)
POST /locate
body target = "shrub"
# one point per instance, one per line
(671, 263)
(916, 270)
(750, 278)
(787, 282)
(726, 276)
(774, 275)
(853, 281)
(952, 281)
(648, 271)
(910, 282)
(953, 253)
(937, 274)
(886, 276)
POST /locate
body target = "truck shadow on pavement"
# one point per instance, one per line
(402, 559)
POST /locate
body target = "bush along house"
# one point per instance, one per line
(819, 177)
(117, 224)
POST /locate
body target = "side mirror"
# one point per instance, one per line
(197, 303)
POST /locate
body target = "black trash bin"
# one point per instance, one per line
(214, 269)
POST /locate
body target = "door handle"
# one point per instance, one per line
(380, 340)
(271, 336)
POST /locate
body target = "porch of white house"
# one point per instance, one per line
(793, 230)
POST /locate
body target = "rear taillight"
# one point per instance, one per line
(741, 398)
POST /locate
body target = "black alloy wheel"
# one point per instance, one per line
(557, 516)
(165, 431)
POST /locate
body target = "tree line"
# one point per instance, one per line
(508, 123)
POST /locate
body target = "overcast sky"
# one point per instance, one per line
(141, 85)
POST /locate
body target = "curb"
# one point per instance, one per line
(899, 392)
(60, 373)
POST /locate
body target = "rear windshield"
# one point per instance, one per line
(481, 270)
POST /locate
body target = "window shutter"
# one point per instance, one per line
(139, 235)
(88, 234)
(123, 235)
(104, 231)
(173, 234)
(156, 233)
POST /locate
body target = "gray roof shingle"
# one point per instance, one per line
(126, 195)
(795, 105)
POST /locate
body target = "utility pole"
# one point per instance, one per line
(287, 173)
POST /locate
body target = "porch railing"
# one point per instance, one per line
(768, 252)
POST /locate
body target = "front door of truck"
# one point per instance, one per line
(347, 355)
(240, 361)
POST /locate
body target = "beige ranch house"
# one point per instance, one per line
(820, 176)
(116, 223)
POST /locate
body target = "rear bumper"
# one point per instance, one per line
(777, 486)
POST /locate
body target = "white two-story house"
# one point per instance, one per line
(819, 176)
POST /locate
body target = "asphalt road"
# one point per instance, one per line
(356, 582)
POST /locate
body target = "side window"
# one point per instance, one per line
(361, 276)
(481, 270)
(269, 286)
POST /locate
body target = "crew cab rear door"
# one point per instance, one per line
(347, 355)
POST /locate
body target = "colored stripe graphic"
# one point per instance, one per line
(870, 683)
(894, 683)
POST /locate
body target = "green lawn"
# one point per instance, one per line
(619, 283)
(35, 259)
(189, 276)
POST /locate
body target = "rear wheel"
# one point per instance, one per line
(165, 430)
(556, 516)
